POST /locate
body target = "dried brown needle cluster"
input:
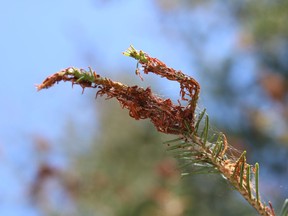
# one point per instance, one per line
(141, 103)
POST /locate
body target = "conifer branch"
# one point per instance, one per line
(201, 151)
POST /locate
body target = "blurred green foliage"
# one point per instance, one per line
(128, 172)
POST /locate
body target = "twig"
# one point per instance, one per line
(193, 134)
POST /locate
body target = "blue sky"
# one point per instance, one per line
(39, 38)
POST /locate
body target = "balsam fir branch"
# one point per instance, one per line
(195, 145)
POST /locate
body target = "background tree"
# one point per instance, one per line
(253, 72)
